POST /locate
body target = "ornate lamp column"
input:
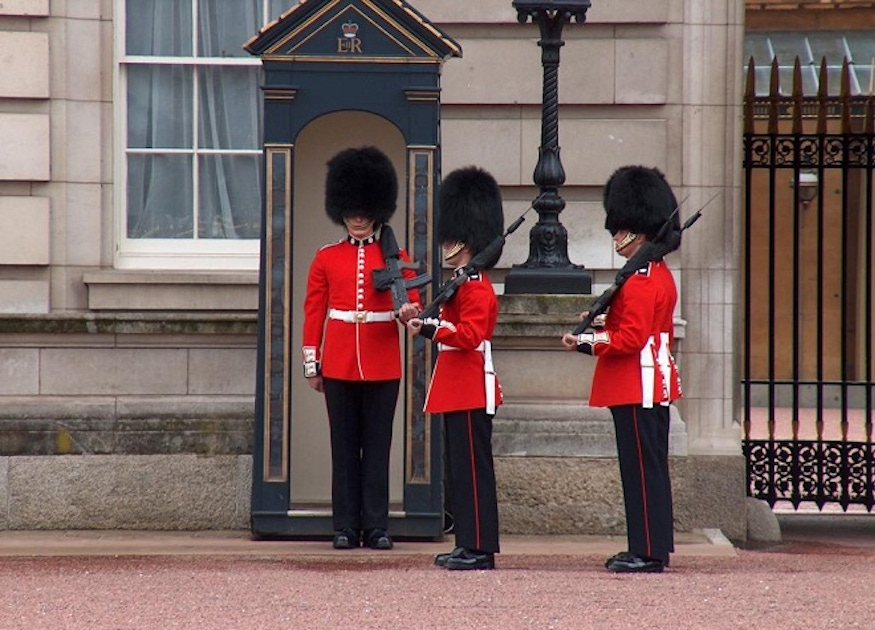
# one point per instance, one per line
(548, 268)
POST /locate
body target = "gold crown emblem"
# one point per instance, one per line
(350, 29)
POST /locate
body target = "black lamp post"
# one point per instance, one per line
(548, 268)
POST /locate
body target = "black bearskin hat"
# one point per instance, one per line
(639, 199)
(361, 181)
(469, 202)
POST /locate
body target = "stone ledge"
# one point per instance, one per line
(156, 323)
(117, 290)
(553, 429)
(548, 316)
(166, 425)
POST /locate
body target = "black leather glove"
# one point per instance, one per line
(429, 327)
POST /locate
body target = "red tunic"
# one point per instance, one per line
(467, 321)
(635, 365)
(341, 278)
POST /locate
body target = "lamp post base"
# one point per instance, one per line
(547, 280)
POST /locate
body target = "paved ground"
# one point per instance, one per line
(237, 544)
(819, 577)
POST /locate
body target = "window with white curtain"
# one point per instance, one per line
(189, 120)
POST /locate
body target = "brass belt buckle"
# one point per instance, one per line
(360, 316)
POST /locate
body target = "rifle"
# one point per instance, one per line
(391, 277)
(666, 241)
(480, 260)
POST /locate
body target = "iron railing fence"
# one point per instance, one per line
(807, 368)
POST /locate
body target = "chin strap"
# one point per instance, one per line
(630, 236)
(459, 246)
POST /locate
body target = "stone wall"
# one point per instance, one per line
(138, 419)
(583, 495)
(83, 452)
(126, 422)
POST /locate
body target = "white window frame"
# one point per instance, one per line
(169, 254)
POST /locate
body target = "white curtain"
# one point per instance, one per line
(162, 101)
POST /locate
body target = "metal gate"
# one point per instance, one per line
(807, 367)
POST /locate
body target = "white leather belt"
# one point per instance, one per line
(486, 348)
(361, 317)
(481, 348)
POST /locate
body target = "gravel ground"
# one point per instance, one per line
(797, 585)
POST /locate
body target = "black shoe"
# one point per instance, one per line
(379, 539)
(441, 559)
(469, 560)
(623, 555)
(633, 563)
(346, 539)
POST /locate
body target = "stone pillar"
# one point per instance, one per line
(710, 281)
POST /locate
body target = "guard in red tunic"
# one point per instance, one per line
(635, 375)
(464, 387)
(351, 344)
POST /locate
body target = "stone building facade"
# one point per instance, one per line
(128, 363)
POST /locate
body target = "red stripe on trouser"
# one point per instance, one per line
(474, 480)
(643, 481)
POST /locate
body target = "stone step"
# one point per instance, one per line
(550, 429)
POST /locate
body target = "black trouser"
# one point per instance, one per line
(642, 447)
(360, 414)
(472, 479)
